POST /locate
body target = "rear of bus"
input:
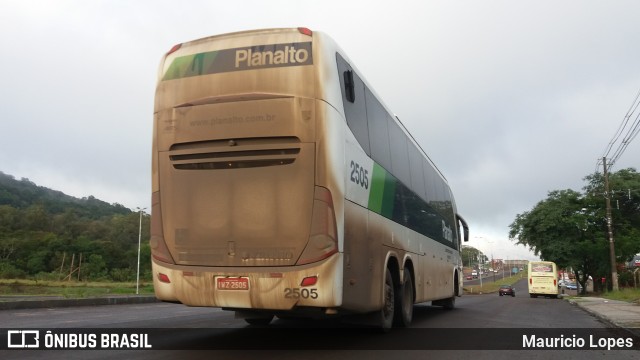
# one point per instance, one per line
(241, 219)
(543, 279)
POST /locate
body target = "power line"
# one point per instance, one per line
(632, 132)
(623, 124)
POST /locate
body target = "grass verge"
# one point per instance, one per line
(624, 294)
(70, 289)
(489, 286)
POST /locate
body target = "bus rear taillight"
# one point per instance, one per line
(175, 48)
(323, 236)
(305, 31)
(309, 281)
(164, 278)
(159, 249)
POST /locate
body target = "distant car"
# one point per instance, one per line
(507, 290)
(469, 277)
(573, 286)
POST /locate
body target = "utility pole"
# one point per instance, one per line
(612, 251)
(139, 239)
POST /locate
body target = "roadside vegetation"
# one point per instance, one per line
(624, 294)
(570, 228)
(69, 289)
(47, 235)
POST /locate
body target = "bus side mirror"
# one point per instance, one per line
(465, 227)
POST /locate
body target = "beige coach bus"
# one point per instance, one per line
(283, 186)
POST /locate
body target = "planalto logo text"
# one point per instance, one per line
(276, 55)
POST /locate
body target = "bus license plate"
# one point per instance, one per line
(232, 283)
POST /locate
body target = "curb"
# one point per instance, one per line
(604, 318)
(50, 303)
(594, 313)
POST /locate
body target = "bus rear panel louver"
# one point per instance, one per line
(232, 154)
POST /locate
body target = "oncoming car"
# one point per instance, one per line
(507, 290)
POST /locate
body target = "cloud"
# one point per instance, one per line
(509, 99)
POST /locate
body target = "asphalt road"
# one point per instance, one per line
(475, 317)
(490, 277)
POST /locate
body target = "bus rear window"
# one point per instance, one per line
(239, 59)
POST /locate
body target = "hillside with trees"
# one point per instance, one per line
(43, 230)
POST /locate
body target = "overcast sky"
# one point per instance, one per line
(510, 99)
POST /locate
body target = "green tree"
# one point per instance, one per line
(569, 227)
(36, 218)
(471, 256)
(625, 200)
(8, 271)
(95, 268)
(8, 218)
(40, 227)
(8, 248)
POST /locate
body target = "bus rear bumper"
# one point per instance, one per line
(273, 288)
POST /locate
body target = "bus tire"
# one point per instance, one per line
(259, 321)
(450, 303)
(388, 306)
(404, 299)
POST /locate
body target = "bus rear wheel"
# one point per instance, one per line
(259, 321)
(449, 304)
(388, 307)
(404, 299)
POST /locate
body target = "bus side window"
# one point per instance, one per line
(355, 109)
(378, 130)
(399, 154)
(349, 86)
